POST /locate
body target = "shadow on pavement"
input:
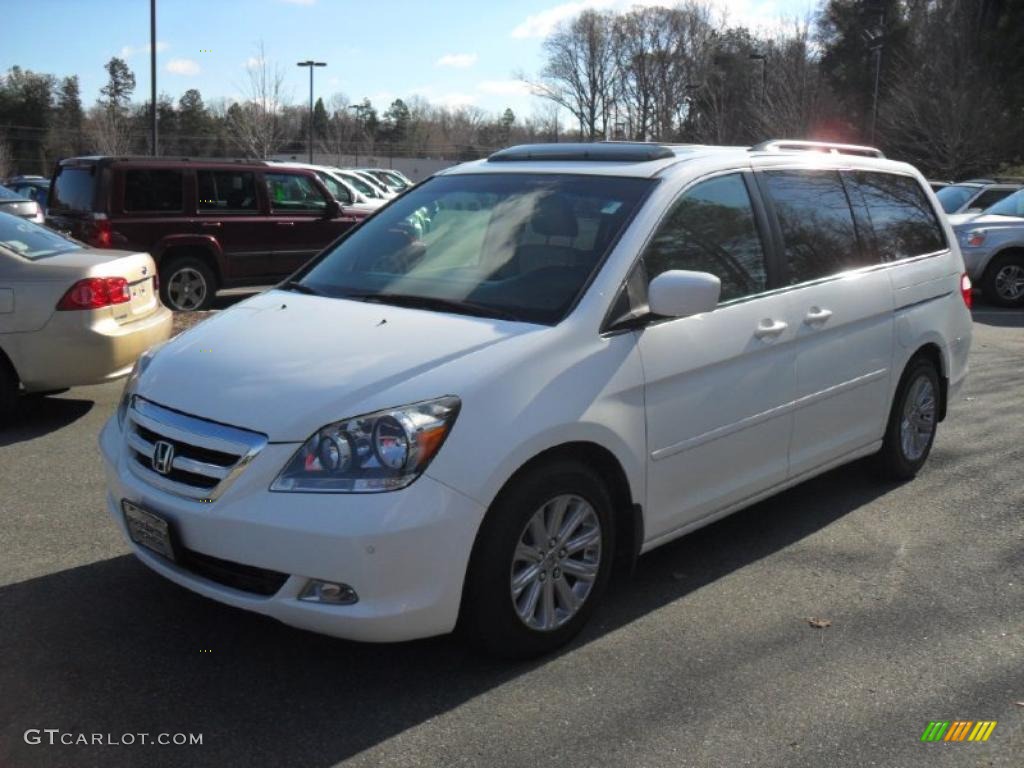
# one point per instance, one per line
(38, 416)
(112, 647)
(1001, 318)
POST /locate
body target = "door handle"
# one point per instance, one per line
(817, 315)
(211, 224)
(767, 329)
(286, 223)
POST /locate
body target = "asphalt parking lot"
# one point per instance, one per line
(705, 657)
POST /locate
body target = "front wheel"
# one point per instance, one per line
(541, 563)
(912, 422)
(1003, 281)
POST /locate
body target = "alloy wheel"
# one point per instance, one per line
(918, 423)
(1009, 282)
(186, 289)
(556, 562)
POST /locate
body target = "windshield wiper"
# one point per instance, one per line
(295, 285)
(431, 302)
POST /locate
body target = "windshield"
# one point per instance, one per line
(954, 197)
(516, 246)
(362, 185)
(1008, 206)
(31, 240)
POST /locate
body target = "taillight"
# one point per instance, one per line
(95, 293)
(965, 290)
(102, 233)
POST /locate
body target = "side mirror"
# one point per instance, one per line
(681, 293)
(333, 209)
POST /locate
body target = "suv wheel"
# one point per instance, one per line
(1003, 282)
(187, 283)
(542, 560)
(912, 422)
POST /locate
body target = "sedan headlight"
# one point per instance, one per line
(132, 382)
(381, 451)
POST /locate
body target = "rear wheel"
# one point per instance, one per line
(1003, 281)
(9, 390)
(187, 283)
(541, 562)
(912, 422)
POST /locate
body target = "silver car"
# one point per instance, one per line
(974, 196)
(992, 243)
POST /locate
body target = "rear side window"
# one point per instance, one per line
(227, 191)
(903, 220)
(817, 224)
(989, 197)
(73, 189)
(153, 190)
(291, 193)
(711, 229)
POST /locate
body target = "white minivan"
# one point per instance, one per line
(534, 366)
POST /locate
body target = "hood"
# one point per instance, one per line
(958, 219)
(990, 221)
(285, 364)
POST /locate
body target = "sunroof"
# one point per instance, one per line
(621, 152)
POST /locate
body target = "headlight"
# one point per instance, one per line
(381, 451)
(975, 238)
(132, 381)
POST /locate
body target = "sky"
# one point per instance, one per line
(448, 51)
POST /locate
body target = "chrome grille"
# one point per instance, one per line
(206, 457)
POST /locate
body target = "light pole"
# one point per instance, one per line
(152, 72)
(311, 64)
(764, 74)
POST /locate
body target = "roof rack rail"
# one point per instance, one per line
(623, 152)
(781, 145)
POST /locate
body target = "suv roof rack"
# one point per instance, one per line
(780, 145)
(623, 152)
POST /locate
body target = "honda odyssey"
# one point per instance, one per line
(593, 350)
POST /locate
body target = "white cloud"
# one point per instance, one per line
(460, 60)
(757, 14)
(504, 87)
(435, 95)
(183, 67)
(131, 50)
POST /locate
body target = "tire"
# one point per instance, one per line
(187, 284)
(490, 617)
(913, 420)
(1003, 281)
(9, 391)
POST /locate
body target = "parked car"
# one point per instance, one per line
(70, 314)
(975, 195)
(379, 185)
(366, 188)
(17, 204)
(596, 349)
(208, 224)
(33, 187)
(992, 243)
(393, 182)
(340, 188)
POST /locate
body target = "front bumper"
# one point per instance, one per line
(405, 553)
(73, 350)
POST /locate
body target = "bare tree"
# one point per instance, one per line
(6, 159)
(580, 71)
(110, 131)
(255, 123)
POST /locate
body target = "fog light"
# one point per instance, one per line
(317, 591)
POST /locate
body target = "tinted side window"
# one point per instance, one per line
(817, 224)
(989, 197)
(153, 190)
(227, 191)
(711, 229)
(72, 190)
(291, 193)
(903, 220)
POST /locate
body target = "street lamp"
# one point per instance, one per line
(311, 64)
(764, 73)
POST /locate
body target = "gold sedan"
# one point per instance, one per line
(69, 314)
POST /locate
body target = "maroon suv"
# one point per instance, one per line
(209, 224)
